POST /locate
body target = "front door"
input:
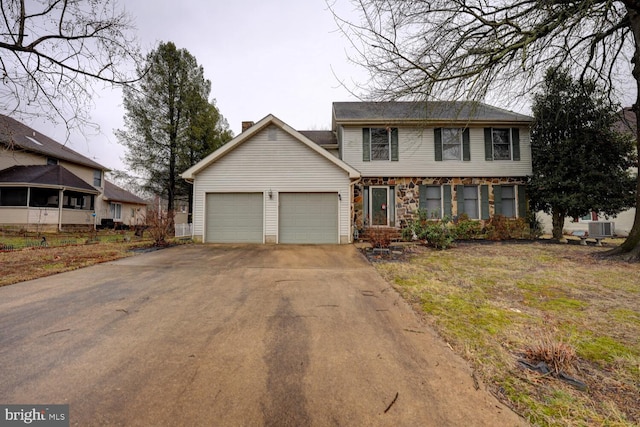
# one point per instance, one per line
(380, 206)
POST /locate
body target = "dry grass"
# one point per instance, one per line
(497, 303)
(32, 263)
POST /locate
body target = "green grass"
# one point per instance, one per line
(491, 302)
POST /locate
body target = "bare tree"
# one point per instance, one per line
(53, 51)
(468, 49)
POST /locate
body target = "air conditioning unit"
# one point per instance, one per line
(601, 229)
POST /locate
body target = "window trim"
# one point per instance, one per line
(392, 144)
(97, 178)
(388, 132)
(460, 144)
(493, 144)
(117, 208)
(460, 198)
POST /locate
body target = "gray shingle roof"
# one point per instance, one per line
(17, 135)
(114, 193)
(421, 111)
(45, 175)
(320, 137)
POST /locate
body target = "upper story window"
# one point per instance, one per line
(451, 144)
(52, 161)
(97, 178)
(502, 143)
(379, 144)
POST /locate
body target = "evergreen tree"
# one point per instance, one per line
(169, 122)
(580, 163)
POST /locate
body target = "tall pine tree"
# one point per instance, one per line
(170, 124)
(580, 163)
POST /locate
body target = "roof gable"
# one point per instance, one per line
(245, 136)
(45, 175)
(416, 112)
(15, 134)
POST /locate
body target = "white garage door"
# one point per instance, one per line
(234, 218)
(308, 218)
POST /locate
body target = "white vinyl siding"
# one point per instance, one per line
(417, 156)
(280, 165)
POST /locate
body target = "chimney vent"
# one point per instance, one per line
(246, 125)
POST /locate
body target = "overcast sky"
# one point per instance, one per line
(282, 57)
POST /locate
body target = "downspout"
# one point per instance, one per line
(60, 203)
(351, 206)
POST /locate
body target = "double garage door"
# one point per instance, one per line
(302, 218)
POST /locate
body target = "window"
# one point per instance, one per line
(115, 209)
(508, 207)
(13, 196)
(470, 201)
(52, 161)
(451, 144)
(97, 178)
(75, 200)
(44, 198)
(379, 144)
(501, 144)
(431, 200)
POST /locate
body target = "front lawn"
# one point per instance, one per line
(28, 256)
(498, 303)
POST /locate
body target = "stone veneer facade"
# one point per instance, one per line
(407, 194)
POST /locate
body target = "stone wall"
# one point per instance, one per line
(407, 197)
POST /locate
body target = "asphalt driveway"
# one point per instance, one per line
(233, 335)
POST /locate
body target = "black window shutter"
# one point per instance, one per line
(460, 198)
(437, 144)
(484, 202)
(522, 201)
(394, 144)
(366, 145)
(515, 140)
(446, 200)
(497, 199)
(422, 196)
(488, 145)
(466, 149)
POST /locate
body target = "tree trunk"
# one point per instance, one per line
(630, 249)
(557, 218)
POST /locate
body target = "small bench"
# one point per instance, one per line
(584, 235)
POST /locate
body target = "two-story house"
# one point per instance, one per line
(377, 166)
(46, 186)
(448, 158)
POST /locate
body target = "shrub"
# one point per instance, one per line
(466, 228)
(159, 225)
(436, 233)
(503, 228)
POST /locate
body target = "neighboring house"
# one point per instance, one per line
(375, 168)
(623, 222)
(121, 207)
(46, 186)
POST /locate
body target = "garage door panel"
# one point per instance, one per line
(308, 218)
(235, 218)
